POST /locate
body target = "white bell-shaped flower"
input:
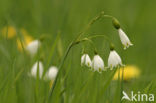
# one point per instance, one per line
(51, 73)
(39, 66)
(85, 60)
(97, 63)
(124, 39)
(33, 47)
(114, 59)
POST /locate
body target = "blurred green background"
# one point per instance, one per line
(69, 17)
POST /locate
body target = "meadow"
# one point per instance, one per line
(56, 23)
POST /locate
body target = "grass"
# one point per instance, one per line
(60, 21)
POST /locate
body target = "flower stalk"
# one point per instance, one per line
(73, 43)
(97, 62)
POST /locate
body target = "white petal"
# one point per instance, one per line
(124, 39)
(52, 73)
(85, 60)
(114, 59)
(38, 65)
(33, 47)
(97, 63)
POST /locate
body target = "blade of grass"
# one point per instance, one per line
(51, 53)
(108, 82)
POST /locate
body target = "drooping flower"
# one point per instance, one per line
(8, 32)
(33, 47)
(129, 72)
(114, 59)
(124, 39)
(37, 66)
(97, 63)
(51, 73)
(85, 60)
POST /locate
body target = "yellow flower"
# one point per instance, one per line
(129, 72)
(19, 44)
(8, 32)
(24, 41)
(27, 37)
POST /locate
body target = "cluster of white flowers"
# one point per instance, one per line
(38, 67)
(32, 49)
(97, 64)
(114, 60)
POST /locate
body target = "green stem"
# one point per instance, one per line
(104, 36)
(92, 44)
(122, 81)
(90, 23)
(108, 16)
(77, 40)
(119, 83)
(62, 62)
(60, 68)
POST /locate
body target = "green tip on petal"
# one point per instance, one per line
(88, 64)
(100, 70)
